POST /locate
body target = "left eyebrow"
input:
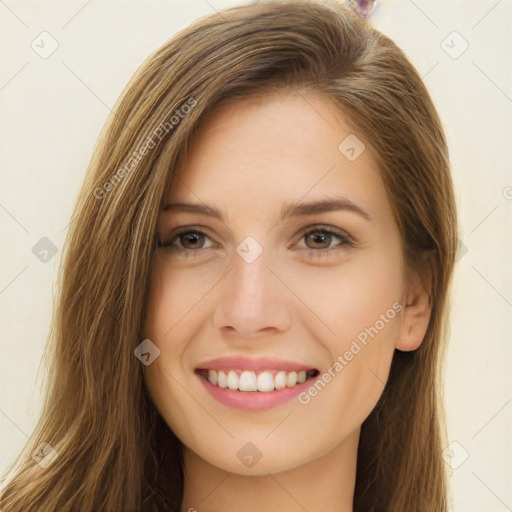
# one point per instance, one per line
(194, 208)
(287, 211)
(326, 205)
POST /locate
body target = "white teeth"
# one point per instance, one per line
(222, 380)
(291, 379)
(212, 376)
(232, 380)
(280, 380)
(264, 382)
(247, 381)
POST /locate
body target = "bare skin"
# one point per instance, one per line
(304, 299)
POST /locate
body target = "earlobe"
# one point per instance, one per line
(414, 320)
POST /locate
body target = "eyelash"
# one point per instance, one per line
(345, 240)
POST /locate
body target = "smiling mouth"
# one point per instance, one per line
(250, 381)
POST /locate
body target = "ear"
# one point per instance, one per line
(415, 315)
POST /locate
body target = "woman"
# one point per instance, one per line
(255, 291)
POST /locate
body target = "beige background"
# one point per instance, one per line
(53, 108)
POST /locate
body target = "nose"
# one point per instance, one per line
(252, 302)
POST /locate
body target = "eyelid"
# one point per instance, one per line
(179, 230)
(332, 230)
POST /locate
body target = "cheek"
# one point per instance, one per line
(360, 309)
(168, 302)
(175, 296)
(345, 300)
(174, 314)
(350, 387)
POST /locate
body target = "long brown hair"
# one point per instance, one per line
(115, 453)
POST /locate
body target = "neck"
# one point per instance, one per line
(326, 483)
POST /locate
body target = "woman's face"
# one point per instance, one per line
(282, 261)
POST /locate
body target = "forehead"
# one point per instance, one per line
(258, 154)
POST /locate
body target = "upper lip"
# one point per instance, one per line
(255, 364)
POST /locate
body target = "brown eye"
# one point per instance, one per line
(325, 241)
(318, 239)
(187, 242)
(192, 240)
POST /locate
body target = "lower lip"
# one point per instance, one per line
(254, 400)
